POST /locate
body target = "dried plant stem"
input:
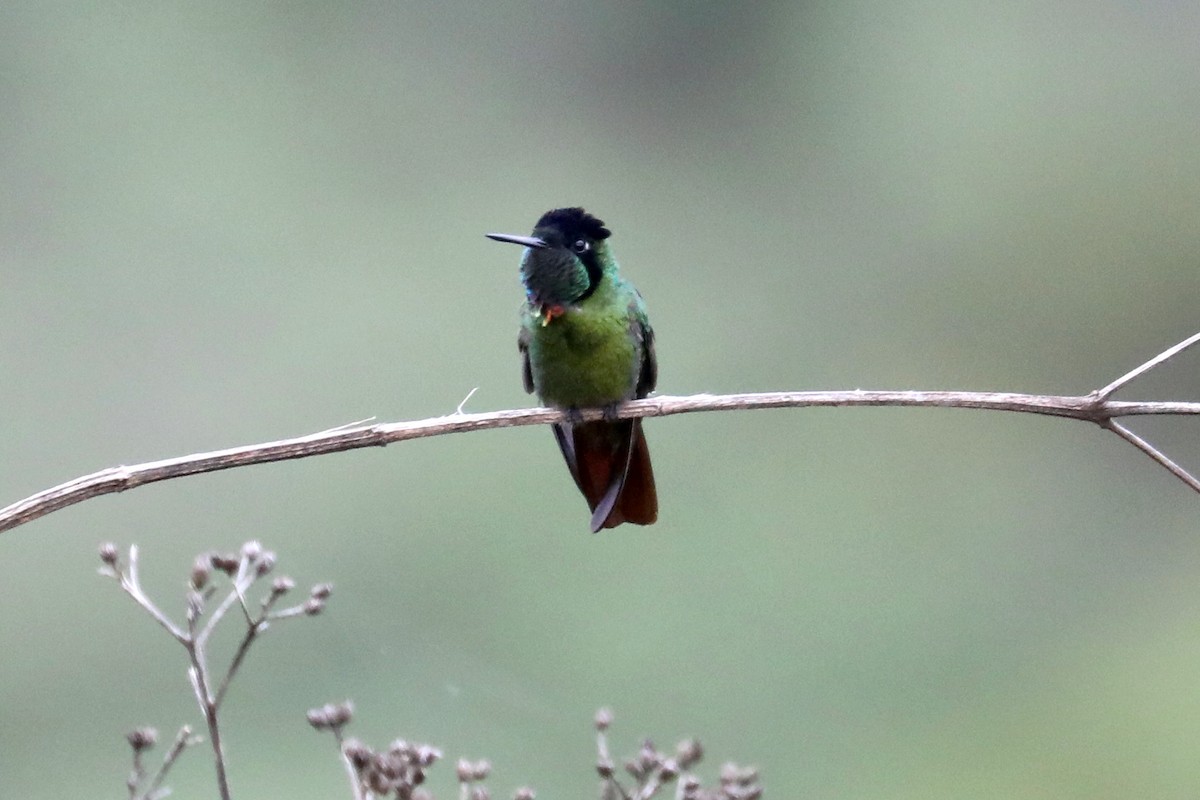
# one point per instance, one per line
(253, 564)
(136, 775)
(1096, 407)
(351, 773)
(198, 673)
(183, 740)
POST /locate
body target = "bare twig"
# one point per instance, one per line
(1142, 369)
(132, 586)
(459, 411)
(201, 685)
(183, 740)
(1153, 452)
(1095, 407)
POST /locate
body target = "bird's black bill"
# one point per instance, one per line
(528, 241)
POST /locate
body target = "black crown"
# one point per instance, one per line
(573, 223)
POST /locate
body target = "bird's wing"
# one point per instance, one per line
(526, 368)
(643, 334)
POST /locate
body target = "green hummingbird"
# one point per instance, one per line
(585, 342)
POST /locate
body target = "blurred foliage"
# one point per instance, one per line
(224, 223)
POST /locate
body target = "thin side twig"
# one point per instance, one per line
(183, 740)
(1142, 369)
(131, 584)
(1096, 407)
(1153, 452)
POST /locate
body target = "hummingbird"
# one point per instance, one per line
(585, 342)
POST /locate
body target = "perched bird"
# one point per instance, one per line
(585, 342)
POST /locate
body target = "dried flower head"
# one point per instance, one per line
(331, 715)
(201, 572)
(227, 563)
(313, 606)
(603, 719)
(141, 739)
(266, 563)
(688, 752)
(426, 755)
(109, 554)
(358, 753)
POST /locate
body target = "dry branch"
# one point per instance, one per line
(1096, 407)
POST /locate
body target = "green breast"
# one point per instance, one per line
(586, 357)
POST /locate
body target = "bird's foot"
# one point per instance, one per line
(610, 411)
(574, 416)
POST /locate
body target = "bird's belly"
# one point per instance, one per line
(579, 367)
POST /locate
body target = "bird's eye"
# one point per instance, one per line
(581, 246)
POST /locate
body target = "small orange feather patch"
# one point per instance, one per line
(550, 312)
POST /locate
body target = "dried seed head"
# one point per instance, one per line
(392, 766)
(201, 571)
(266, 563)
(524, 793)
(282, 585)
(378, 782)
(465, 770)
(481, 770)
(689, 752)
(141, 739)
(321, 591)
(252, 549)
(669, 769)
(331, 715)
(605, 767)
(358, 753)
(649, 756)
(313, 606)
(341, 713)
(427, 755)
(481, 793)
(109, 554)
(603, 719)
(742, 776)
(227, 563)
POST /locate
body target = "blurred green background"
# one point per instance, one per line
(224, 223)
